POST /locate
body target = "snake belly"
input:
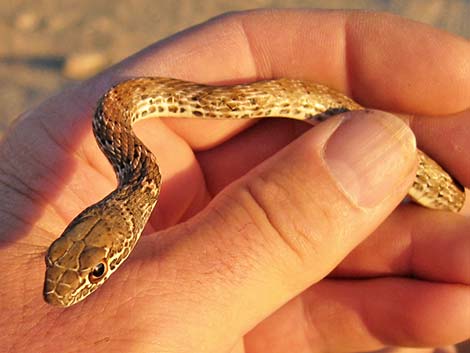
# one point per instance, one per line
(102, 236)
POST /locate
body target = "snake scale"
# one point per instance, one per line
(102, 236)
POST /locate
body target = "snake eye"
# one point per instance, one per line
(98, 272)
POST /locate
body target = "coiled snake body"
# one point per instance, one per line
(102, 236)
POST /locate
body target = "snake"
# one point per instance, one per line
(101, 237)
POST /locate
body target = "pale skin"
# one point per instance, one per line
(227, 280)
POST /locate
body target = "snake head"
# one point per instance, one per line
(82, 258)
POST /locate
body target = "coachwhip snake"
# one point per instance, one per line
(102, 236)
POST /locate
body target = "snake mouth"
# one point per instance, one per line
(60, 291)
(51, 296)
(59, 288)
(54, 299)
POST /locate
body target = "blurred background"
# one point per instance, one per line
(46, 45)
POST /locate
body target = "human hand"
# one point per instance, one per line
(243, 268)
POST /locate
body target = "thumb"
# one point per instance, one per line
(283, 226)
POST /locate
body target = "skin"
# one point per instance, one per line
(215, 282)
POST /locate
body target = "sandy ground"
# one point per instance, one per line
(46, 45)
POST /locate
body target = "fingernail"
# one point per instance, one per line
(370, 155)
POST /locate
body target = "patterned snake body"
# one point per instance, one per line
(102, 236)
